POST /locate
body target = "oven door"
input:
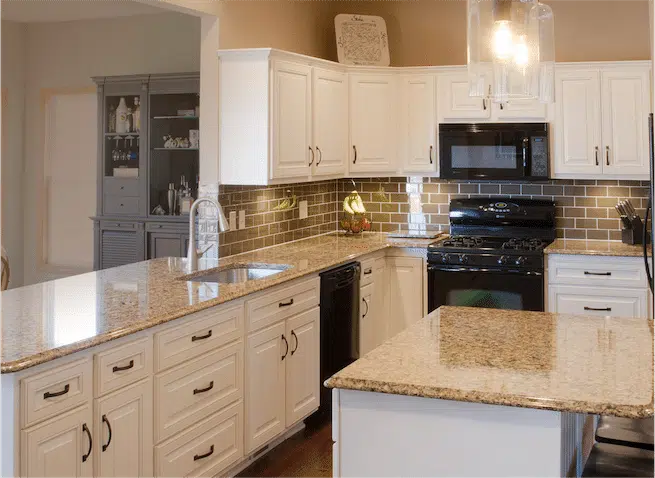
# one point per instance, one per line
(483, 152)
(490, 288)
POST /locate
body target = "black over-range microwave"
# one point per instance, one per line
(501, 151)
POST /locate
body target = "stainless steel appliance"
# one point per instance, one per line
(494, 151)
(494, 257)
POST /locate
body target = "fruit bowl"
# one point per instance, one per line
(355, 224)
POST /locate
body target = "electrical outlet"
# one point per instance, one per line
(242, 219)
(233, 220)
(302, 205)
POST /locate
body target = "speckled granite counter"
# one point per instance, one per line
(593, 248)
(49, 320)
(523, 359)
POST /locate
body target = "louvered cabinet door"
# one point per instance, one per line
(118, 248)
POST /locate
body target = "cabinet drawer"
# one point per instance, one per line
(206, 449)
(197, 334)
(122, 365)
(193, 390)
(121, 205)
(168, 227)
(366, 275)
(118, 225)
(56, 390)
(282, 302)
(598, 301)
(121, 187)
(597, 271)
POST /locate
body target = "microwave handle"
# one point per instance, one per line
(525, 152)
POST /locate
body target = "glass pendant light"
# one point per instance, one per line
(507, 41)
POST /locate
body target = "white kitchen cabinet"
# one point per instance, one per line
(405, 292)
(373, 123)
(61, 446)
(123, 432)
(303, 379)
(454, 102)
(601, 121)
(578, 300)
(367, 320)
(520, 110)
(380, 301)
(419, 123)
(330, 122)
(265, 385)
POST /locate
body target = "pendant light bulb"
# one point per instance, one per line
(502, 43)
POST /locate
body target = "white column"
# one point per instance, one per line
(208, 100)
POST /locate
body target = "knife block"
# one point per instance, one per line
(634, 234)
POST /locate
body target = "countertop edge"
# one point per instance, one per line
(574, 406)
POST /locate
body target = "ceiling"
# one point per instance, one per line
(28, 11)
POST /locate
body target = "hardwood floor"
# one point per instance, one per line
(308, 453)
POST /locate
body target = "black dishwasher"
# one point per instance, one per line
(339, 324)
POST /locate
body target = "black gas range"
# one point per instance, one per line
(494, 257)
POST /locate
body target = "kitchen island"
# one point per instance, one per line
(488, 392)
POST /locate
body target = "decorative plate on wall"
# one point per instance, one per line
(362, 40)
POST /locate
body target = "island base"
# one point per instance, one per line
(379, 434)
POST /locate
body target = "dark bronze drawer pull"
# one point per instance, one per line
(57, 394)
(286, 304)
(203, 390)
(293, 334)
(606, 309)
(355, 150)
(201, 337)
(587, 273)
(365, 302)
(106, 445)
(286, 351)
(125, 367)
(209, 453)
(88, 453)
(368, 271)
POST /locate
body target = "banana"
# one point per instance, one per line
(283, 205)
(356, 203)
(294, 201)
(346, 205)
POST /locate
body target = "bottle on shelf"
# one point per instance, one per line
(130, 120)
(121, 117)
(111, 120)
(136, 115)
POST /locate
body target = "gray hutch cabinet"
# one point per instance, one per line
(147, 144)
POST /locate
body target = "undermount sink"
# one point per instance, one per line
(240, 273)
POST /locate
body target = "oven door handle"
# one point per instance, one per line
(486, 271)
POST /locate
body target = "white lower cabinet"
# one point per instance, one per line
(602, 302)
(61, 446)
(282, 376)
(123, 432)
(367, 322)
(405, 292)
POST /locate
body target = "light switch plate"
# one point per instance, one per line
(242, 219)
(302, 205)
(233, 220)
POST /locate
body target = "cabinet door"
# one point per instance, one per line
(524, 110)
(265, 377)
(330, 122)
(118, 248)
(291, 120)
(625, 105)
(419, 151)
(303, 378)
(597, 301)
(380, 301)
(123, 426)
(577, 138)
(164, 244)
(454, 101)
(373, 123)
(57, 447)
(367, 320)
(405, 292)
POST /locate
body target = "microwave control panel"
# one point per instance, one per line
(539, 153)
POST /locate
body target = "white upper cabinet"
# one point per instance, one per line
(418, 151)
(455, 103)
(330, 122)
(601, 121)
(373, 123)
(292, 151)
(521, 110)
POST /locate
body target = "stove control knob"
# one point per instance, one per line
(444, 258)
(463, 259)
(520, 261)
(503, 260)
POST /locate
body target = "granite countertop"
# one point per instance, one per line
(524, 359)
(49, 320)
(594, 248)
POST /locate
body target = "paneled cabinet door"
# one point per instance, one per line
(524, 110)
(303, 378)
(454, 101)
(291, 117)
(123, 426)
(597, 301)
(380, 300)
(59, 447)
(626, 104)
(330, 122)
(405, 292)
(373, 123)
(367, 320)
(577, 125)
(265, 385)
(165, 244)
(419, 148)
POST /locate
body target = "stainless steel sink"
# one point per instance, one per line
(239, 273)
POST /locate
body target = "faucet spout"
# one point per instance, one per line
(223, 225)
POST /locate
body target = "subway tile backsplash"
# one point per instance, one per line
(585, 208)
